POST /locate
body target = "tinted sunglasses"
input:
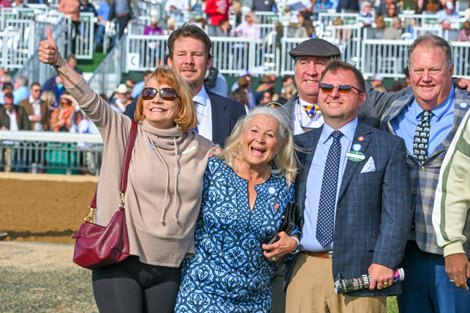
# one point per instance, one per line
(344, 89)
(165, 93)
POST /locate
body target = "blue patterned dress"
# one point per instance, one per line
(229, 273)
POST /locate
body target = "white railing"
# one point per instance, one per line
(108, 74)
(48, 152)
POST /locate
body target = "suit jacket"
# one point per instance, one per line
(373, 214)
(45, 113)
(225, 114)
(21, 118)
(424, 178)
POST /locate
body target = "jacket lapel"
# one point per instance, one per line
(309, 144)
(361, 136)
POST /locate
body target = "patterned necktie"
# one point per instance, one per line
(421, 138)
(329, 186)
(311, 110)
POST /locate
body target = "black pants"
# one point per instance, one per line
(132, 286)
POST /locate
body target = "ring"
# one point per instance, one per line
(385, 284)
(273, 259)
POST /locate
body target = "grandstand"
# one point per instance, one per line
(21, 29)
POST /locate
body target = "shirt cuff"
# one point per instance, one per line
(453, 248)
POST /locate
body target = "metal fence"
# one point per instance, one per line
(21, 30)
(53, 153)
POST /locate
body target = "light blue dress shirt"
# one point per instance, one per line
(314, 180)
(441, 123)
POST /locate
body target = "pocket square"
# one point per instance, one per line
(369, 166)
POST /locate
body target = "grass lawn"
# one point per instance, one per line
(392, 305)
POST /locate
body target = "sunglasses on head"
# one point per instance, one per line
(273, 105)
(343, 89)
(165, 93)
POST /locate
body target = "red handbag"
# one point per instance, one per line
(98, 246)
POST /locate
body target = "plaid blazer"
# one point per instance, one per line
(374, 208)
(424, 178)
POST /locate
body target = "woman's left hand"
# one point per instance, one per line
(277, 250)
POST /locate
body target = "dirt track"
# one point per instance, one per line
(46, 208)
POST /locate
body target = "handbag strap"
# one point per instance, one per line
(124, 171)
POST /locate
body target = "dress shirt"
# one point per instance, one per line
(313, 187)
(202, 103)
(441, 123)
(302, 120)
(13, 121)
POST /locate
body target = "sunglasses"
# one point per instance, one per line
(165, 93)
(273, 105)
(343, 89)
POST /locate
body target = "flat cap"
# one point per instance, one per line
(315, 47)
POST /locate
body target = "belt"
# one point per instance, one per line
(320, 254)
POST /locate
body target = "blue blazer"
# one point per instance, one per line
(373, 215)
(225, 114)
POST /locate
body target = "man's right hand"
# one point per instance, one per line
(458, 269)
(47, 51)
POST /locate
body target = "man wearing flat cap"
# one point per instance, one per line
(310, 58)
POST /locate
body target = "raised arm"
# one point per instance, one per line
(49, 54)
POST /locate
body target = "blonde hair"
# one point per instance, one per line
(285, 162)
(186, 118)
(49, 98)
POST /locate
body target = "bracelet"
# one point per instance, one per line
(297, 250)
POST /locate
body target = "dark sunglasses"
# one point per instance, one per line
(344, 90)
(165, 93)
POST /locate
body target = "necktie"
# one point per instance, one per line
(329, 186)
(421, 138)
(311, 110)
(196, 106)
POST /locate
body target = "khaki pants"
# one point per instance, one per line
(311, 290)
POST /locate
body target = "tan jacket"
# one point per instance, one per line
(45, 113)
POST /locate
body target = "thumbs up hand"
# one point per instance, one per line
(47, 51)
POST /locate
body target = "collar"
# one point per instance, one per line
(304, 103)
(32, 101)
(438, 111)
(201, 96)
(348, 130)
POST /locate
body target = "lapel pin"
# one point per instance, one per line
(463, 105)
(360, 138)
(356, 147)
(276, 206)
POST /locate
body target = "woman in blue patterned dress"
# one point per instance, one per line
(247, 187)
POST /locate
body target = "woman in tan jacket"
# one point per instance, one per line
(164, 185)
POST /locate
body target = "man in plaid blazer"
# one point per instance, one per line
(372, 210)
(427, 287)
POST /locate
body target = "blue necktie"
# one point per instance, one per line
(329, 185)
